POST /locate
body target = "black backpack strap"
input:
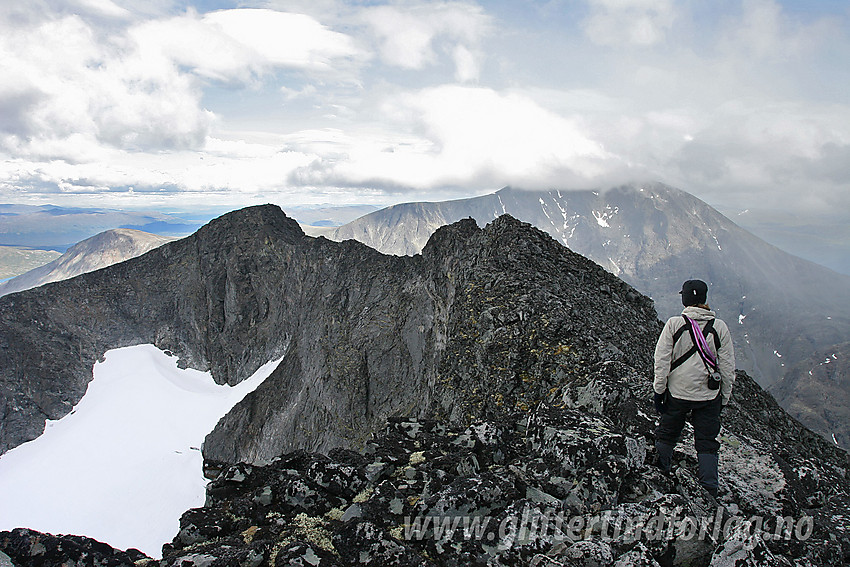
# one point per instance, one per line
(679, 332)
(709, 328)
(692, 351)
(678, 362)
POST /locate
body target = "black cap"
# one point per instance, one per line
(694, 292)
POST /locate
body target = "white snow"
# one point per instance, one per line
(715, 239)
(125, 463)
(741, 319)
(600, 219)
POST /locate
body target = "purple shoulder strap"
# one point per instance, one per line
(700, 342)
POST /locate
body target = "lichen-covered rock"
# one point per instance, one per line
(28, 548)
(365, 543)
(578, 440)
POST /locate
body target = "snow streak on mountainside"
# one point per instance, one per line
(99, 251)
(654, 237)
(126, 462)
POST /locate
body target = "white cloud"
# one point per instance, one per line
(62, 82)
(467, 66)
(238, 45)
(357, 99)
(284, 39)
(466, 137)
(410, 35)
(763, 30)
(104, 8)
(629, 22)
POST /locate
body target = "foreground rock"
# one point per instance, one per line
(572, 484)
(22, 547)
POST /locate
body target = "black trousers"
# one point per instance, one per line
(705, 417)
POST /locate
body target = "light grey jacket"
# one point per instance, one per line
(690, 380)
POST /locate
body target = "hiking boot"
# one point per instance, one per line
(664, 460)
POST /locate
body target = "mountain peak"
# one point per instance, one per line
(257, 219)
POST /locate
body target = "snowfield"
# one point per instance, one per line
(126, 462)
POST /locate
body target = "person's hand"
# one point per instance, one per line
(660, 404)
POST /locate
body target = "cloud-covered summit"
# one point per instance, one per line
(159, 104)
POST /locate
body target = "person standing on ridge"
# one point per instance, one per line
(692, 353)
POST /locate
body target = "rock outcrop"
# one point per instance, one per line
(505, 491)
(570, 484)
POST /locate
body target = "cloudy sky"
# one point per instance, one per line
(175, 104)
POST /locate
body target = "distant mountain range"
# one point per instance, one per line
(58, 228)
(781, 308)
(825, 241)
(99, 251)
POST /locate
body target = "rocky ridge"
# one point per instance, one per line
(779, 308)
(510, 377)
(484, 322)
(570, 484)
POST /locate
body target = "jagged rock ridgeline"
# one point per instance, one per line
(569, 484)
(484, 321)
(779, 307)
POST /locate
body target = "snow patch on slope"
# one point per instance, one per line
(126, 462)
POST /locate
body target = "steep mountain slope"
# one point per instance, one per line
(99, 251)
(365, 335)
(779, 307)
(821, 380)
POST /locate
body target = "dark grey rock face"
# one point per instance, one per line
(654, 237)
(208, 298)
(483, 322)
